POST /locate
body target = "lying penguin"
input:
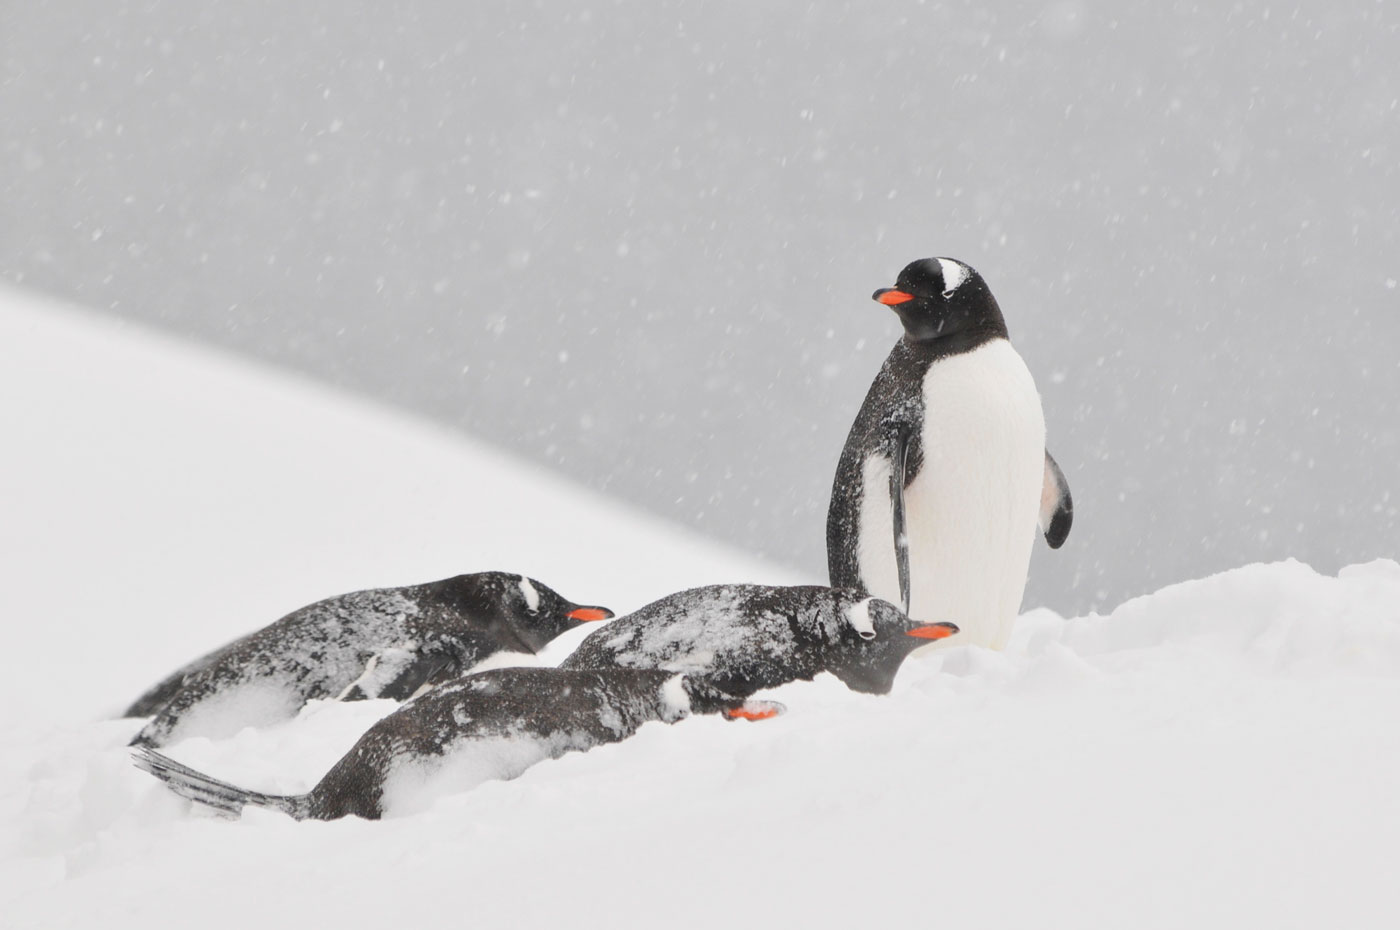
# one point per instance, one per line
(457, 731)
(748, 637)
(382, 643)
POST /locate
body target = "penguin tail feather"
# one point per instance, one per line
(220, 795)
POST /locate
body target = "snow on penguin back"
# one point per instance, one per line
(375, 643)
(748, 637)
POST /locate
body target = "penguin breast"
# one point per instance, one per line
(971, 507)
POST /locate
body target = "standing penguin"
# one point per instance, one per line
(381, 643)
(945, 472)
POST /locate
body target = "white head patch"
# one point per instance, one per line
(532, 597)
(954, 274)
(858, 616)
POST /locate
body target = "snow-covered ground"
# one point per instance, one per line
(1223, 753)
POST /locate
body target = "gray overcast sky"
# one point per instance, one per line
(637, 241)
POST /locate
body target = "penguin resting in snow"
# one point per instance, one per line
(746, 637)
(945, 473)
(490, 725)
(382, 643)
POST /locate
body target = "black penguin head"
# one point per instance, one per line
(517, 611)
(938, 297)
(877, 638)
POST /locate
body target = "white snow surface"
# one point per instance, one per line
(1222, 753)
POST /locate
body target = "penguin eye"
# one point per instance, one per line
(867, 634)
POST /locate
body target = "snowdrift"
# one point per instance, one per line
(1223, 752)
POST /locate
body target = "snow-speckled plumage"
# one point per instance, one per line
(386, 642)
(490, 725)
(747, 637)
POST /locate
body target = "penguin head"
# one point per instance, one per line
(937, 297)
(517, 611)
(877, 639)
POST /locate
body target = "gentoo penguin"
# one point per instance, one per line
(490, 725)
(382, 643)
(746, 637)
(945, 473)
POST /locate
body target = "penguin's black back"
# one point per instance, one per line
(741, 637)
(335, 647)
(562, 709)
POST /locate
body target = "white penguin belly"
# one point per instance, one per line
(970, 513)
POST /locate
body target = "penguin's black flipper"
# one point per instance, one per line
(398, 674)
(1056, 506)
(431, 670)
(899, 454)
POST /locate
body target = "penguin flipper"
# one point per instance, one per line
(398, 674)
(429, 671)
(1056, 505)
(899, 454)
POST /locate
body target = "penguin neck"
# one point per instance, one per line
(963, 340)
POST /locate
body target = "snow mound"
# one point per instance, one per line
(1223, 752)
(1282, 618)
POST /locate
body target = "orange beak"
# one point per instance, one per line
(590, 613)
(932, 631)
(891, 297)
